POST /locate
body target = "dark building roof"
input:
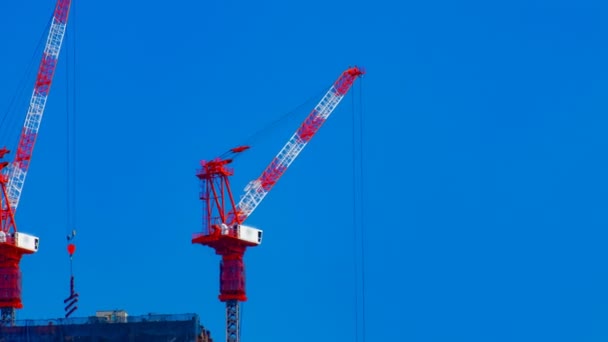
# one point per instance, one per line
(146, 328)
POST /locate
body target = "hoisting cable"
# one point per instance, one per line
(70, 302)
(355, 220)
(362, 208)
(358, 217)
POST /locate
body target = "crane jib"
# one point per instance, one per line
(257, 189)
(46, 70)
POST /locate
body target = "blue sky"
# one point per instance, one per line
(484, 179)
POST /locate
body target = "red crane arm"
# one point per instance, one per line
(257, 189)
(18, 169)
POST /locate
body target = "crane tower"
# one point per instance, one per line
(223, 218)
(14, 244)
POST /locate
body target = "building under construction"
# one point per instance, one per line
(109, 326)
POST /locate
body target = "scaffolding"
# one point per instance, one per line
(109, 326)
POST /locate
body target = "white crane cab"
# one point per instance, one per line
(21, 240)
(243, 232)
(27, 241)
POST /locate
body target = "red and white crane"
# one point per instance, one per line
(14, 244)
(223, 228)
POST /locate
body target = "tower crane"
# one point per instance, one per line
(223, 228)
(15, 244)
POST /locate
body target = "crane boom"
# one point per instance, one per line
(257, 189)
(18, 169)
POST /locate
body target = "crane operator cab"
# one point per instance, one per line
(243, 232)
(25, 241)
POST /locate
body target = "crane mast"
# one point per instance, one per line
(223, 228)
(13, 244)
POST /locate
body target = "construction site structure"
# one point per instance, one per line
(223, 219)
(13, 243)
(112, 325)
